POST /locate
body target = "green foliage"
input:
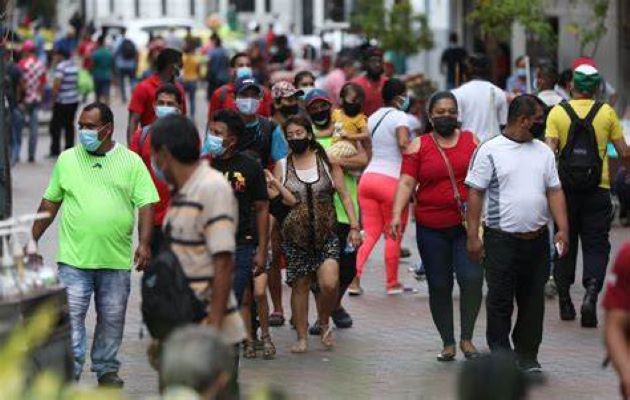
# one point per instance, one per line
(399, 29)
(593, 29)
(496, 17)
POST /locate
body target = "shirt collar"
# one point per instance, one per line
(201, 170)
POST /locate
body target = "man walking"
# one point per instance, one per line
(126, 61)
(34, 80)
(98, 185)
(580, 131)
(65, 95)
(372, 81)
(515, 241)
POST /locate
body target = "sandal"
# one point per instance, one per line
(269, 350)
(327, 336)
(249, 351)
(276, 319)
(447, 354)
(471, 353)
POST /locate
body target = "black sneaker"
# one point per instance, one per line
(530, 366)
(567, 310)
(405, 252)
(341, 318)
(315, 329)
(111, 379)
(589, 311)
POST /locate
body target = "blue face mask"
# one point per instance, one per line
(89, 139)
(521, 72)
(244, 72)
(163, 111)
(404, 106)
(157, 171)
(213, 145)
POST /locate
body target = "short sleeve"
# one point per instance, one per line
(480, 170)
(617, 295)
(214, 104)
(144, 191)
(401, 119)
(219, 218)
(361, 122)
(552, 130)
(54, 192)
(137, 104)
(411, 164)
(279, 145)
(616, 132)
(552, 180)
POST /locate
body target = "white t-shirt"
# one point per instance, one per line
(386, 155)
(550, 97)
(516, 178)
(482, 108)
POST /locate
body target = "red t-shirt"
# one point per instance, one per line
(617, 295)
(161, 207)
(373, 93)
(143, 98)
(223, 98)
(436, 206)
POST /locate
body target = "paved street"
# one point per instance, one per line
(389, 353)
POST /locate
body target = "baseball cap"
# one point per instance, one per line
(284, 89)
(583, 61)
(28, 45)
(316, 94)
(245, 83)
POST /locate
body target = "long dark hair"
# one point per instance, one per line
(305, 122)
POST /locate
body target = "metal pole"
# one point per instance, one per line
(5, 167)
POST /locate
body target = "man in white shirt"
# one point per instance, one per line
(482, 105)
(518, 175)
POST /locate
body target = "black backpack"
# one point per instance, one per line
(580, 164)
(128, 49)
(168, 302)
(260, 148)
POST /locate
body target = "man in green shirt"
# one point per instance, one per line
(102, 66)
(98, 185)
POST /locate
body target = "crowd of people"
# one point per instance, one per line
(305, 175)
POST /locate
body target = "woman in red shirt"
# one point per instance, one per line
(436, 164)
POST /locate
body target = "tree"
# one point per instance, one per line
(592, 30)
(399, 29)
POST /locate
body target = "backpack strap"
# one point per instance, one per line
(589, 117)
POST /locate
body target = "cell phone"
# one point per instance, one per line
(559, 248)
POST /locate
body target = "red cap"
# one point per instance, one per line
(583, 60)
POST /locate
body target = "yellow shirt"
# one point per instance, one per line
(606, 124)
(351, 125)
(191, 67)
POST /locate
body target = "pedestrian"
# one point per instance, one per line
(517, 82)
(201, 221)
(304, 80)
(453, 62)
(345, 71)
(309, 241)
(352, 123)
(141, 107)
(617, 305)
(126, 60)
(436, 164)
(546, 80)
(102, 67)
(390, 137)
(168, 100)
(482, 105)
(515, 246)
(285, 101)
(196, 364)
(579, 130)
(319, 107)
(14, 92)
(190, 75)
(100, 184)
(563, 87)
(34, 82)
(224, 96)
(65, 98)
(218, 66)
(372, 81)
(247, 178)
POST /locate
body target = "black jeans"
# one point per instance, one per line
(589, 220)
(62, 119)
(516, 268)
(443, 253)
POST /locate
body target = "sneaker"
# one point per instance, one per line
(567, 310)
(315, 329)
(551, 291)
(419, 272)
(395, 290)
(341, 318)
(111, 379)
(405, 252)
(530, 366)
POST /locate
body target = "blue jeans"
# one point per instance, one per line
(17, 123)
(32, 111)
(243, 264)
(111, 291)
(190, 87)
(443, 252)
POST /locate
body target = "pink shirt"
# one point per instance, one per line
(333, 84)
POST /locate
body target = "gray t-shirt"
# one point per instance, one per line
(516, 178)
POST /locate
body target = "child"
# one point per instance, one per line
(350, 122)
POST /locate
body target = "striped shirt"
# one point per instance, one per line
(200, 223)
(67, 72)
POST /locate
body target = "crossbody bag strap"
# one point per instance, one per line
(378, 124)
(451, 175)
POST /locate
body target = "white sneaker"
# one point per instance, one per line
(396, 290)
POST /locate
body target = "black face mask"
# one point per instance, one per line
(374, 73)
(538, 130)
(445, 126)
(299, 146)
(321, 118)
(351, 109)
(289, 111)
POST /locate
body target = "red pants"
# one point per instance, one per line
(376, 199)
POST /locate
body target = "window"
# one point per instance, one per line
(267, 6)
(136, 8)
(334, 10)
(111, 6)
(244, 5)
(192, 8)
(163, 7)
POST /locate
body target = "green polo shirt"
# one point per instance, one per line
(99, 196)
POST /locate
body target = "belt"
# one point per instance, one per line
(521, 235)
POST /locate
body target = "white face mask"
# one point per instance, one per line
(247, 106)
(162, 111)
